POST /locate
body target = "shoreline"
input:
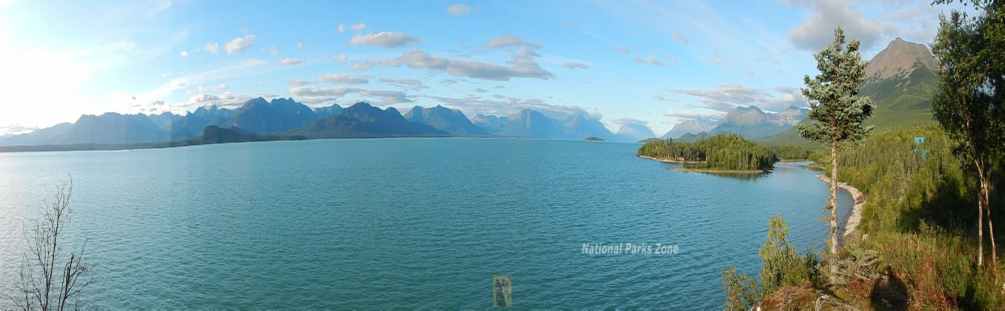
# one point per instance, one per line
(668, 160)
(858, 203)
(724, 172)
(702, 170)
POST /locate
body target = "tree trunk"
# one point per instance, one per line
(984, 200)
(980, 215)
(833, 200)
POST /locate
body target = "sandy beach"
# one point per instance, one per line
(856, 213)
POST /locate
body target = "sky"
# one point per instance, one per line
(647, 62)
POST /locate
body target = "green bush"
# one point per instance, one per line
(780, 266)
(742, 292)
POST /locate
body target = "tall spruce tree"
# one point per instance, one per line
(837, 112)
(968, 103)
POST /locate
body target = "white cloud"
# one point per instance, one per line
(226, 100)
(522, 65)
(459, 9)
(300, 44)
(239, 44)
(650, 60)
(678, 37)
(726, 97)
(341, 58)
(195, 83)
(575, 65)
(290, 61)
(510, 41)
(213, 47)
(183, 53)
(358, 26)
(384, 39)
(298, 83)
(319, 95)
(344, 79)
(817, 30)
(341, 28)
(404, 83)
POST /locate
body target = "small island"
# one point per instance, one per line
(723, 154)
(594, 139)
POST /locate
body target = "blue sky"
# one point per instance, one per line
(649, 62)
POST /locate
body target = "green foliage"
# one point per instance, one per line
(720, 152)
(919, 215)
(742, 292)
(907, 183)
(793, 152)
(964, 104)
(837, 112)
(780, 267)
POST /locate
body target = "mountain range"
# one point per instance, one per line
(537, 124)
(748, 121)
(284, 117)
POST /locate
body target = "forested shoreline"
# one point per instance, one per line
(723, 152)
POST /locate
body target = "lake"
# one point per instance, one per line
(410, 223)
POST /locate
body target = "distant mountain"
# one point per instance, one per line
(903, 90)
(164, 120)
(261, 119)
(693, 126)
(580, 125)
(192, 124)
(633, 132)
(445, 119)
(899, 58)
(324, 112)
(108, 128)
(790, 116)
(689, 137)
(217, 135)
(526, 123)
(752, 123)
(535, 124)
(364, 121)
(280, 115)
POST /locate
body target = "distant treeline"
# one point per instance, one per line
(719, 152)
(794, 152)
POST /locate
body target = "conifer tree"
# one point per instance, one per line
(837, 111)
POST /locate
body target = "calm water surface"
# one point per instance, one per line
(411, 223)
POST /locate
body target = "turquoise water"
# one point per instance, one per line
(410, 223)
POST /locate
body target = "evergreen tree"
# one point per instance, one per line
(968, 103)
(836, 110)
